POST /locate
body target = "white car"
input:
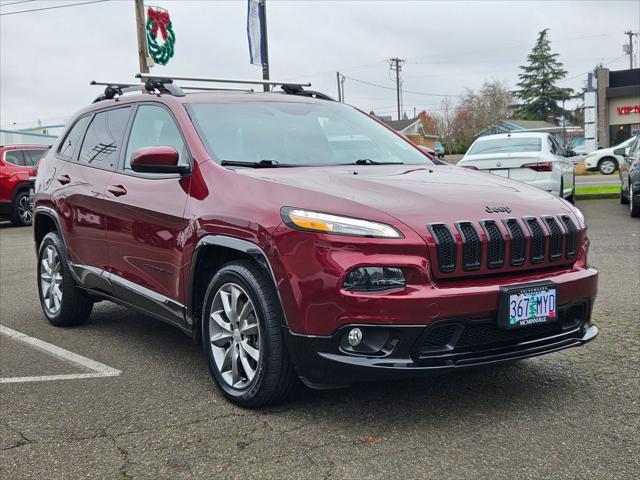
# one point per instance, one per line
(530, 157)
(605, 160)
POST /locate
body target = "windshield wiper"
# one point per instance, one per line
(368, 161)
(259, 164)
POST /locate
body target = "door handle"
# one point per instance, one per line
(63, 179)
(117, 190)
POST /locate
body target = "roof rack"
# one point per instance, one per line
(112, 89)
(289, 88)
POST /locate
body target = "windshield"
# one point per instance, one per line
(506, 145)
(298, 134)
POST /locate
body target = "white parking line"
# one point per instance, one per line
(99, 369)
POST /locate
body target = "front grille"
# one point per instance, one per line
(471, 246)
(489, 243)
(572, 236)
(446, 248)
(537, 240)
(495, 244)
(555, 239)
(518, 242)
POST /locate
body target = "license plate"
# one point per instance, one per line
(528, 305)
(501, 173)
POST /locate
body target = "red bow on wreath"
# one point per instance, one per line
(160, 21)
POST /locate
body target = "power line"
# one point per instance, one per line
(404, 91)
(54, 7)
(15, 3)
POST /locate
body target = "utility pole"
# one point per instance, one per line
(339, 86)
(265, 43)
(629, 48)
(142, 37)
(396, 65)
(342, 87)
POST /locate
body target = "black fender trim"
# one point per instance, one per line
(51, 213)
(244, 246)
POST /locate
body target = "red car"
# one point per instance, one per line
(297, 238)
(18, 164)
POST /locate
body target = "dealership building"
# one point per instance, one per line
(618, 105)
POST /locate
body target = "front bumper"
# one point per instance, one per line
(411, 350)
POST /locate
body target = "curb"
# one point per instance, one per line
(597, 196)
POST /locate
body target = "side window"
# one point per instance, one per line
(14, 157)
(103, 140)
(33, 156)
(154, 126)
(552, 146)
(70, 144)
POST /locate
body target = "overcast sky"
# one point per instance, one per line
(47, 58)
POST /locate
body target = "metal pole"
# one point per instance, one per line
(342, 87)
(265, 43)
(142, 37)
(339, 88)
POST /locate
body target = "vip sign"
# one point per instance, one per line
(628, 109)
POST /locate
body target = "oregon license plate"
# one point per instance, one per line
(528, 305)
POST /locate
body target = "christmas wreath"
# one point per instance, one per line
(158, 22)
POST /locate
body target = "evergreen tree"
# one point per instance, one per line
(538, 93)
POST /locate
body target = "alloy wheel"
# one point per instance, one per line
(234, 335)
(51, 280)
(607, 167)
(24, 210)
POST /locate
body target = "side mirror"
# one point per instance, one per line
(620, 151)
(569, 153)
(160, 159)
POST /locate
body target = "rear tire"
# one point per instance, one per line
(22, 215)
(62, 302)
(242, 337)
(623, 200)
(607, 165)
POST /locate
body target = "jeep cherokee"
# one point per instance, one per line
(296, 237)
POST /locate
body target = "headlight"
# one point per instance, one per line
(580, 215)
(326, 223)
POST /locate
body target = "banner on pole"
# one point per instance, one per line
(254, 33)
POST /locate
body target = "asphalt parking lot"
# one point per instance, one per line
(573, 414)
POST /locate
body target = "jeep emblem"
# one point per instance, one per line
(489, 209)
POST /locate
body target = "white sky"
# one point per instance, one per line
(47, 58)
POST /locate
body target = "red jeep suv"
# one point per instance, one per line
(18, 164)
(296, 237)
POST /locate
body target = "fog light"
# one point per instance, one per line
(355, 337)
(372, 279)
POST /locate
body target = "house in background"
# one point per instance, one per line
(413, 129)
(568, 135)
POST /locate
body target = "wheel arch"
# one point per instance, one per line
(609, 157)
(45, 220)
(210, 253)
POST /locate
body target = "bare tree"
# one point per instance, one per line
(445, 121)
(486, 107)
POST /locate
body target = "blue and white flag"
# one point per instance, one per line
(254, 32)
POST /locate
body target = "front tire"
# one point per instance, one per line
(607, 166)
(22, 215)
(62, 302)
(243, 339)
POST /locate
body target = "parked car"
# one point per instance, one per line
(630, 175)
(605, 160)
(439, 150)
(298, 238)
(430, 153)
(530, 157)
(18, 165)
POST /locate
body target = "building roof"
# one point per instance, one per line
(529, 124)
(401, 125)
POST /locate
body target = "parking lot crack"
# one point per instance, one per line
(22, 441)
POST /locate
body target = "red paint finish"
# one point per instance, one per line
(148, 235)
(12, 176)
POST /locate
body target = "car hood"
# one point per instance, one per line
(414, 195)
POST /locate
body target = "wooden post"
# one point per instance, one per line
(142, 37)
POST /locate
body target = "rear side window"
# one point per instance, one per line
(14, 157)
(103, 140)
(69, 146)
(154, 126)
(32, 157)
